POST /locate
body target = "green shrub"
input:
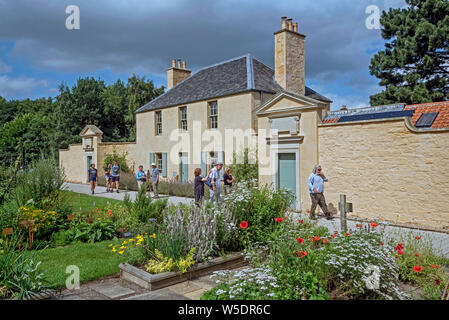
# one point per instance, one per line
(259, 207)
(245, 166)
(19, 274)
(98, 230)
(121, 160)
(43, 179)
(144, 208)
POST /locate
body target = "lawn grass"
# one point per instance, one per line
(94, 260)
(87, 202)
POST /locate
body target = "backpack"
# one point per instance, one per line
(208, 182)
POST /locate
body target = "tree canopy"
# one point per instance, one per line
(33, 127)
(414, 66)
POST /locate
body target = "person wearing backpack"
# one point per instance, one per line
(115, 175)
(155, 180)
(141, 177)
(215, 184)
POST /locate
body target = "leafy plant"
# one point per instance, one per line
(19, 273)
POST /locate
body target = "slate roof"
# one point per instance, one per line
(395, 110)
(238, 75)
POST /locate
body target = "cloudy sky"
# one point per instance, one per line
(120, 37)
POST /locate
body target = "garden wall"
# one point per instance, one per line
(388, 170)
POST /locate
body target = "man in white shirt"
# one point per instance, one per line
(215, 192)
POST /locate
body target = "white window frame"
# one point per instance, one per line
(212, 117)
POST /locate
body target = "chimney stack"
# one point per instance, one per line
(289, 57)
(177, 73)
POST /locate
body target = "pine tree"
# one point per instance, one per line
(414, 67)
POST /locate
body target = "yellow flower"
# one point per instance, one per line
(153, 236)
(131, 240)
(110, 245)
(124, 242)
(122, 247)
(121, 252)
(114, 250)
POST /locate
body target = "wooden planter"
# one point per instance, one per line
(129, 273)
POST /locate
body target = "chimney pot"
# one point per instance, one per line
(289, 23)
(179, 63)
(343, 107)
(295, 26)
(173, 63)
(284, 22)
(184, 65)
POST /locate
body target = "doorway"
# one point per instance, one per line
(287, 174)
(184, 167)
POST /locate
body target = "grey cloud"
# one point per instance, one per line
(143, 36)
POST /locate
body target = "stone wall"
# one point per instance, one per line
(387, 171)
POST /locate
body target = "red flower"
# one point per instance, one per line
(399, 247)
(109, 212)
(417, 255)
(308, 211)
(417, 269)
(347, 234)
(300, 240)
(244, 225)
(359, 226)
(373, 224)
(316, 238)
(285, 217)
(400, 252)
(381, 243)
(417, 238)
(325, 241)
(301, 221)
(434, 266)
(279, 219)
(301, 254)
(437, 282)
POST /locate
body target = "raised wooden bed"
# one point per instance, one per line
(129, 273)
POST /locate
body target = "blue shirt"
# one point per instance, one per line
(316, 182)
(140, 174)
(215, 174)
(154, 174)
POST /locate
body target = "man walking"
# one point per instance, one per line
(215, 191)
(316, 189)
(115, 175)
(155, 179)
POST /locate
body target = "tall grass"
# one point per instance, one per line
(43, 179)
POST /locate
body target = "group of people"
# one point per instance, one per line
(111, 174)
(212, 180)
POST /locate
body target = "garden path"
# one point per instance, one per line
(101, 192)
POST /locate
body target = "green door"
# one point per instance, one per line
(287, 173)
(184, 167)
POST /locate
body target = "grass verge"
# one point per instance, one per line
(94, 260)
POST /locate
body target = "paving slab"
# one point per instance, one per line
(112, 290)
(162, 294)
(184, 287)
(195, 295)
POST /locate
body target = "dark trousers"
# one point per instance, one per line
(318, 199)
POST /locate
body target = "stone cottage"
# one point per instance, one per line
(390, 161)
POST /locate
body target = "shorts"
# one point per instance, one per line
(93, 179)
(114, 179)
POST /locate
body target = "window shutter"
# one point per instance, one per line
(151, 158)
(164, 164)
(203, 163)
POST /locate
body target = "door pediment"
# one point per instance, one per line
(286, 103)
